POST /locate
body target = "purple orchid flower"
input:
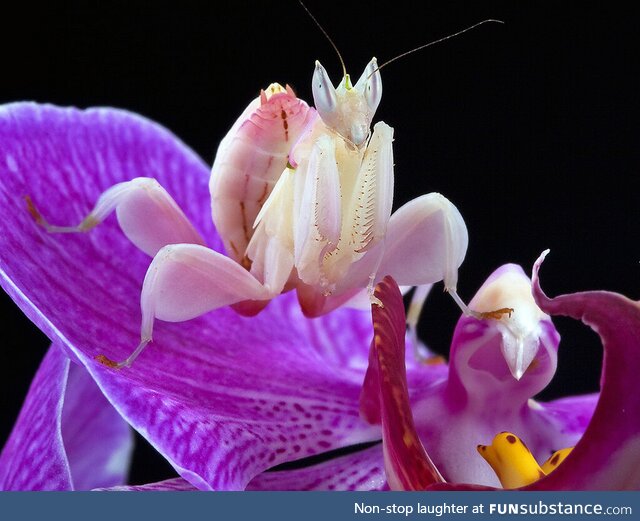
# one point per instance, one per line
(607, 457)
(223, 397)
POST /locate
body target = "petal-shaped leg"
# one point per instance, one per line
(426, 242)
(147, 214)
(185, 281)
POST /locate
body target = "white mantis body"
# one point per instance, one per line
(302, 199)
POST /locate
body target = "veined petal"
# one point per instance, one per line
(222, 397)
(233, 404)
(68, 436)
(362, 470)
(168, 485)
(64, 159)
(34, 457)
(98, 442)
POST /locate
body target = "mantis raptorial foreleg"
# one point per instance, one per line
(186, 280)
(147, 214)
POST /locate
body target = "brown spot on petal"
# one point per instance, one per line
(554, 460)
(511, 438)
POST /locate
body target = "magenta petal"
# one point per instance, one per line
(363, 470)
(570, 416)
(407, 464)
(222, 397)
(249, 393)
(169, 485)
(608, 455)
(98, 442)
(63, 159)
(34, 457)
(67, 436)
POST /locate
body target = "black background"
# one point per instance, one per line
(530, 128)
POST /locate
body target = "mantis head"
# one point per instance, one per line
(348, 110)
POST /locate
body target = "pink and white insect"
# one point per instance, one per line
(302, 199)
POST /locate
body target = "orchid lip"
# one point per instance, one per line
(521, 331)
(477, 398)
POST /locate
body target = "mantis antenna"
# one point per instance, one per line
(335, 47)
(419, 48)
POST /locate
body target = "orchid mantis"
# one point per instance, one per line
(302, 199)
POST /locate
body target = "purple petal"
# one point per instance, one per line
(222, 397)
(608, 455)
(97, 440)
(260, 391)
(34, 457)
(407, 465)
(67, 436)
(363, 470)
(570, 416)
(169, 485)
(63, 159)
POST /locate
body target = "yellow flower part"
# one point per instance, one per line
(513, 463)
(556, 458)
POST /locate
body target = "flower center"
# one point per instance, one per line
(513, 462)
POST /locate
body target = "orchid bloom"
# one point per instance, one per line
(606, 457)
(224, 397)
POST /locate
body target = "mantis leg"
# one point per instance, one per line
(426, 242)
(147, 214)
(185, 281)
